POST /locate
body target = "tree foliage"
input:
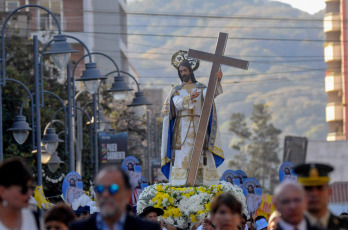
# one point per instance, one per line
(257, 141)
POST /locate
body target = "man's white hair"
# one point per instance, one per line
(286, 184)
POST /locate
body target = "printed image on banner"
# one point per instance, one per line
(253, 194)
(132, 166)
(72, 187)
(267, 206)
(231, 177)
(112, 146)
(241, 176)
(286, 172)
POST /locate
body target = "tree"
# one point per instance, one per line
(258, 148)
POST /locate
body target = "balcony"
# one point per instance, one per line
(333, 82)
(332, 51)
(335, 137)
(334, 112)
(332, 22)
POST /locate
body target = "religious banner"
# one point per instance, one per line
(231, 177)
(112, 146)
(266, 207)
(241, 176)
(286, 172)
(132, 166)
(253, 194)
(72, 187)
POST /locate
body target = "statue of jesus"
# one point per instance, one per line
(181, 113)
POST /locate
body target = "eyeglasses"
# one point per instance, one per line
(112, 189)
(26, 188)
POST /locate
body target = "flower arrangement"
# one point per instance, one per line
(183, 206)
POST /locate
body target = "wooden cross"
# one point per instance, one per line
(217, 59)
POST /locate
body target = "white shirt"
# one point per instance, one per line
(28, 221)
(286, 226)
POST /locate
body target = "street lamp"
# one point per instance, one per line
(60, 50)
(119, 88)
(50, 140)
(54, 162)
(20, 129)
(91, 78)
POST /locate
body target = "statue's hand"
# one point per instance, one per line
(194, 94)
(219, 75)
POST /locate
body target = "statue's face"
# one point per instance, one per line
(229, 179)
(130, 167)
(250, 189)
(72, 183)
(287, 171)
(185, 74)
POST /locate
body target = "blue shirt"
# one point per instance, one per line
(119, 225)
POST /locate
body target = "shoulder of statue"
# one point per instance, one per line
(175, 89)
(200, 85)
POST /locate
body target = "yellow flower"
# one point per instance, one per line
(193, 218)
(187, 195)
(171, 200)
(159, 187)
(192, 193)
(165, 196)
(200, 212)
(207, 206)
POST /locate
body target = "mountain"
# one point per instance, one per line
(284, 46)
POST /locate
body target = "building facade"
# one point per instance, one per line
(101, 24)
(335, 56)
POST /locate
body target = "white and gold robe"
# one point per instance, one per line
(180, 136)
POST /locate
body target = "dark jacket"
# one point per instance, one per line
(337, 223)
(132, 223)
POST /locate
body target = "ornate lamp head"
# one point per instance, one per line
(181, 56)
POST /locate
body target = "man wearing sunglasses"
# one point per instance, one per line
(113, 192)
(315, 179)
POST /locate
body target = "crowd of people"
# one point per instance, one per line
(300, 206)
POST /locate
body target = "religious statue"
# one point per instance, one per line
(181, 114)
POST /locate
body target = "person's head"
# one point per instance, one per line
(185, 73)
(315, 179)
(251, 189)
(16, 184)
(151, 213)
(72, 182)
(83, 212)
(130, 167)
(273, 220)
(243, 221)
(59, 217)
(261, 223)
(113, 191)
(226, 211)
(287, 171)
(290, 201)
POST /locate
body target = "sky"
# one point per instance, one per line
(310, 6)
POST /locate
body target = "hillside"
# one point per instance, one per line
(284, 46)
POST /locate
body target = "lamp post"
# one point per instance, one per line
(91, 73)
(65, 49)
